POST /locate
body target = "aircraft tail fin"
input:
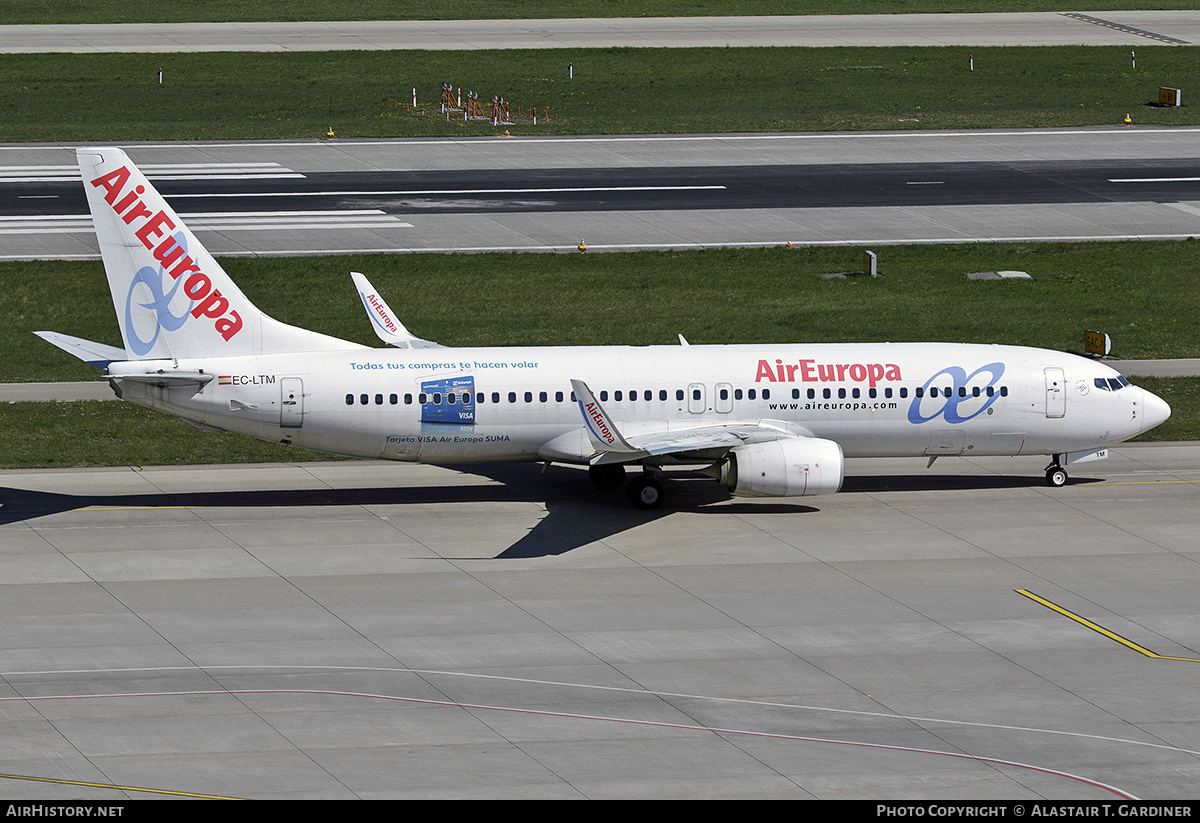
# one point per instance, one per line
(172, 298)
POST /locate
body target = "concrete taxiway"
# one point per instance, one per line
(379, 630)
(1012, 29)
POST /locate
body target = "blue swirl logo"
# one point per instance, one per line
(160, 304)
(949, 396)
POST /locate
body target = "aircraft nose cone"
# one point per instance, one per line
(1154, 410)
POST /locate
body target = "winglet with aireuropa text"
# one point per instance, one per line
(384, 321)
(610, 446)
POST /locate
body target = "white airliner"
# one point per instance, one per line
(765, 420)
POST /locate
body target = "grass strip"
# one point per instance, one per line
(1183, 396)
(117, 97)
(218, 11)
(90, 433)
(1143, 294)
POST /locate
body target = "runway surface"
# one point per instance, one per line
(378, 630)
(1017, 29)
(629, 192)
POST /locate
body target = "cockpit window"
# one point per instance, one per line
(1114, 383)
(1101, 383)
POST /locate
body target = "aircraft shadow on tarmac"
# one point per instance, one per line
(577, 513)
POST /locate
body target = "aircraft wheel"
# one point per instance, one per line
(611, 476)
(1056, 476)
(645, 492)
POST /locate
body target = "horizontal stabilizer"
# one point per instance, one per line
(92, 353)
(167, 379)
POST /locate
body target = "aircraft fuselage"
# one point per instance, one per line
(448, 405)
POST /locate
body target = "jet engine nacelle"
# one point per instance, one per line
(791, 467)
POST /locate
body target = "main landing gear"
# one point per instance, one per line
(1056, 475)
(610, 476)
(644, 491)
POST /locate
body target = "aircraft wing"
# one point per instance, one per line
(690, 440)
(611, 446)
(387, 326)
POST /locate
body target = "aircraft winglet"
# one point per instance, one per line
(610, 446)
(387, 326)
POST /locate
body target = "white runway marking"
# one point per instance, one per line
(444, 192)
(160, 171)
(1153, 179)
(217, 221)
